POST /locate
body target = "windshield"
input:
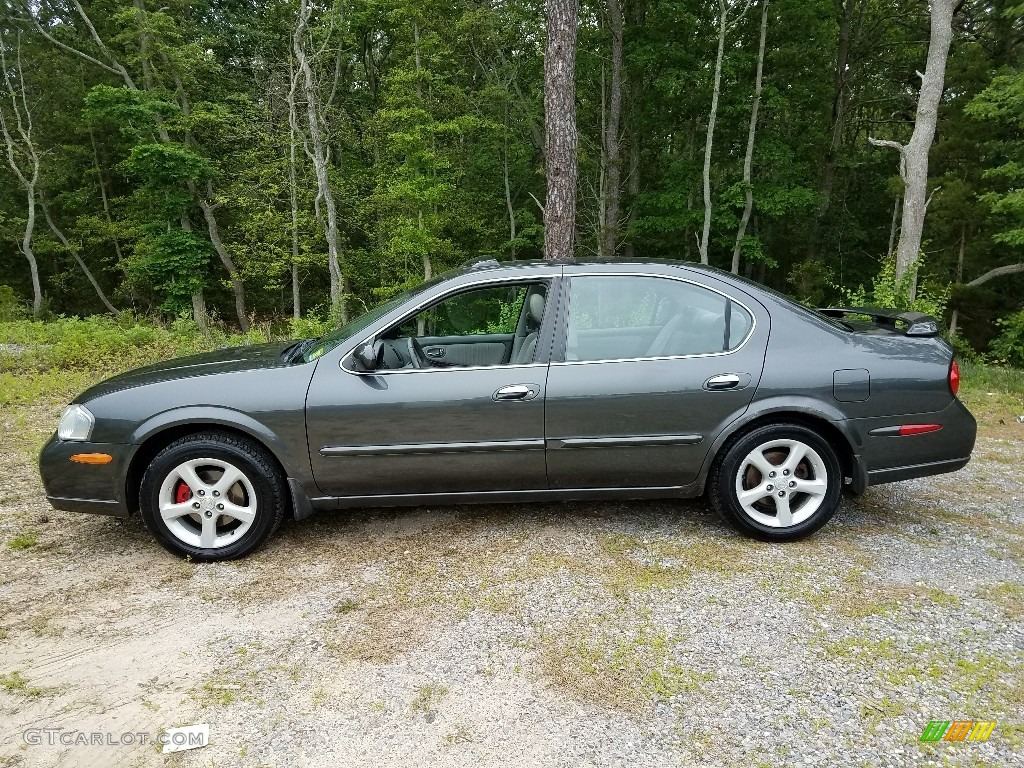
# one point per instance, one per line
(326, 343)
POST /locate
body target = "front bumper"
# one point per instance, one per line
(94, 488)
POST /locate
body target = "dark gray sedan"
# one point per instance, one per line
(520, 381)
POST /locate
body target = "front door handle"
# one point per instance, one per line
(517, 392)
(723, 381)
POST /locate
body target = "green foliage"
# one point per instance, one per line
(1002, 103)
(1008, 346)
(104, 342)
(10, 307)
(312, 325)
(886, 291)
(173, 262)
(133, 113)
(812, 283)
(433, 116)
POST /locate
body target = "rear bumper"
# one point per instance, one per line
(93, 488)
(879, 476)
(887, 457)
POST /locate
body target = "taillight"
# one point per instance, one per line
(954, 378)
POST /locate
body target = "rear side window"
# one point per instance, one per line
(622, 317)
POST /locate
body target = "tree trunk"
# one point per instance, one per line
(561, 137)
(508, 197)
(748, 159)
(705, 235)
(199, 314)
(103, 195)
(894, 227)
(959, 276)
(914, 154)
(293, 120)
(613, 164)
(78, 258)
(845, 9)
(26, 248)
(205, 203)
(320, 159)
(199, 311)
(18, 140)
(632, 189)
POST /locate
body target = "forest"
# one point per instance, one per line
(243, 161)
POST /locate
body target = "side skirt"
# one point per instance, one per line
(507, 497)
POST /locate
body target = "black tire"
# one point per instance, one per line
(261, 487)
(761, 519)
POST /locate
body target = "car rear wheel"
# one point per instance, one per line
(777, 483)
(212, 496)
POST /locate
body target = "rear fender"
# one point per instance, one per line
(786, 409)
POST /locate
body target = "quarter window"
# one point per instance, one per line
(620, 317)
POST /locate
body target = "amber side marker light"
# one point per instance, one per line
(92, 458)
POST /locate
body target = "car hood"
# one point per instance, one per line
(229, 360)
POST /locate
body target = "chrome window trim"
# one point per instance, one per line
(734, 350)
(435, 300)
(504, 366)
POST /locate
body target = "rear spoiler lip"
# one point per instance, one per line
(918, 323)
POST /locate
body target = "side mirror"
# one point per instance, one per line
(369, 356)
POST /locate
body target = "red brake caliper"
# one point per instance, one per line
(182, 492)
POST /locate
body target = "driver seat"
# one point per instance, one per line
(534, 314)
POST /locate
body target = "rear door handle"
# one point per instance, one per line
(517, 392)
(723, 381)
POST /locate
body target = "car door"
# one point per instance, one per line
(653, 369)
(447, 428)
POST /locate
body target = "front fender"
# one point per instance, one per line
(294, 461)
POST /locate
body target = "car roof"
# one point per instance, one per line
(752, 288)
(632, 265)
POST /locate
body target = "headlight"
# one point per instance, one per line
(75, 423)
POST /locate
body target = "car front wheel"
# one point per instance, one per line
(212, 496)
(777, 483)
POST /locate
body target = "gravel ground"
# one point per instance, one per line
(615, 634)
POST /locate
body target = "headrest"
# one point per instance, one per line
(536, 307)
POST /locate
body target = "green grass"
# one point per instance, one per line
(53, 361)
(25, 540)
(428, 696)
(17, 684)
(979, 377)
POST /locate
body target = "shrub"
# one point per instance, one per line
(1008, 346)
(886, 291)
(10, 307)
(311, 326)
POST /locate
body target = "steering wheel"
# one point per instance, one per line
(416, 354)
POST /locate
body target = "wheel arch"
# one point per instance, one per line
(162, 430)
(827, 422)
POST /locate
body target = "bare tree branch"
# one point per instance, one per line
(992, 274)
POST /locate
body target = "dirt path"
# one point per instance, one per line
(610, 634)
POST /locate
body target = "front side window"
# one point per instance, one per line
(493, 325)
(622, 317)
